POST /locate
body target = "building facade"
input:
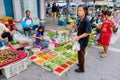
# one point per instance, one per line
(16, 8)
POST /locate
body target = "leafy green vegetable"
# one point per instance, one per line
(59, 49)
(67, 55)
(50, 65)
(51, 34)
(68, 47)
(58, 60)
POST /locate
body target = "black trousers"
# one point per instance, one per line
(81, 59)
(7, 35)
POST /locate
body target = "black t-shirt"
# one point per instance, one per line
(84, 26)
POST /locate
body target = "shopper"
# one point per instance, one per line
(84, 29)
(106, 33)
(54, 10)
(5, 33)
(27, 23)
(40, 41)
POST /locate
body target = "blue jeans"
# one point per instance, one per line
(44, 44)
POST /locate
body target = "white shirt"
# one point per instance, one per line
(3, 28)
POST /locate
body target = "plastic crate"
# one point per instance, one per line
(14, 68)
(62, 22)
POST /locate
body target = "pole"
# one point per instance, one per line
(114, 4)
(68, 8)
(93, 8)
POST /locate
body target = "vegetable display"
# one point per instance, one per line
(7, 55)
(50, 65)
(51, 34)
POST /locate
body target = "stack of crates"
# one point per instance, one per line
(14, 68)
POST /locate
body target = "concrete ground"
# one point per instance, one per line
(96, 68)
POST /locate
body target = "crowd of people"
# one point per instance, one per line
(104, 25)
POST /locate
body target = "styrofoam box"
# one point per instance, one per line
(14, 68)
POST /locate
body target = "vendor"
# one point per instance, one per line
(27, 22)
(5, 33)
(40, 41)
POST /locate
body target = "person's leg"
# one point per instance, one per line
(55, 15)
(27, 32)
(44, 44)
(105, 50)
(7, 34)
(81, 60)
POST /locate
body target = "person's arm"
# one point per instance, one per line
(35, 36)
(75, 25)
(32, 24)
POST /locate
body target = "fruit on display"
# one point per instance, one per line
(40, 61)
(39, 54)
(64, 66)
(73, 59)
(69, 62)
(50, 65)
(7, 55)
(33, 57)
(59, 70)
(46, 57)
(53, 54)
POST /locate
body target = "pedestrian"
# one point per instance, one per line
(27, 23)
(39, 36)
(106, 33)
(58, 11)
(83, 31)
(5, 33)
(54, 9)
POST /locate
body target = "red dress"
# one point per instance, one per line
(105, 33)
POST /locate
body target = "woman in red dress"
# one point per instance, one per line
(106, 33)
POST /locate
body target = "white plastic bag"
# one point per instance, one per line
(76, 46)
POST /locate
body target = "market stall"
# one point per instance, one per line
(12, 61)
(59, 56)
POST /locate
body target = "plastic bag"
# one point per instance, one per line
(76, 46)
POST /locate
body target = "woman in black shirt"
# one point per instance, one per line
(84, 29)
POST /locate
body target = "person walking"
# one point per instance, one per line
(83, 31)
(54, 9)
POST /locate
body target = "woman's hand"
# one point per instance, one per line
(77, 38)
(74, 21)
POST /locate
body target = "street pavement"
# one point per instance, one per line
(96, 68)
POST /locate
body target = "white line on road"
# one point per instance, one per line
(110, 48)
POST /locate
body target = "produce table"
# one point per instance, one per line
(59, 56)
(58, 61)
